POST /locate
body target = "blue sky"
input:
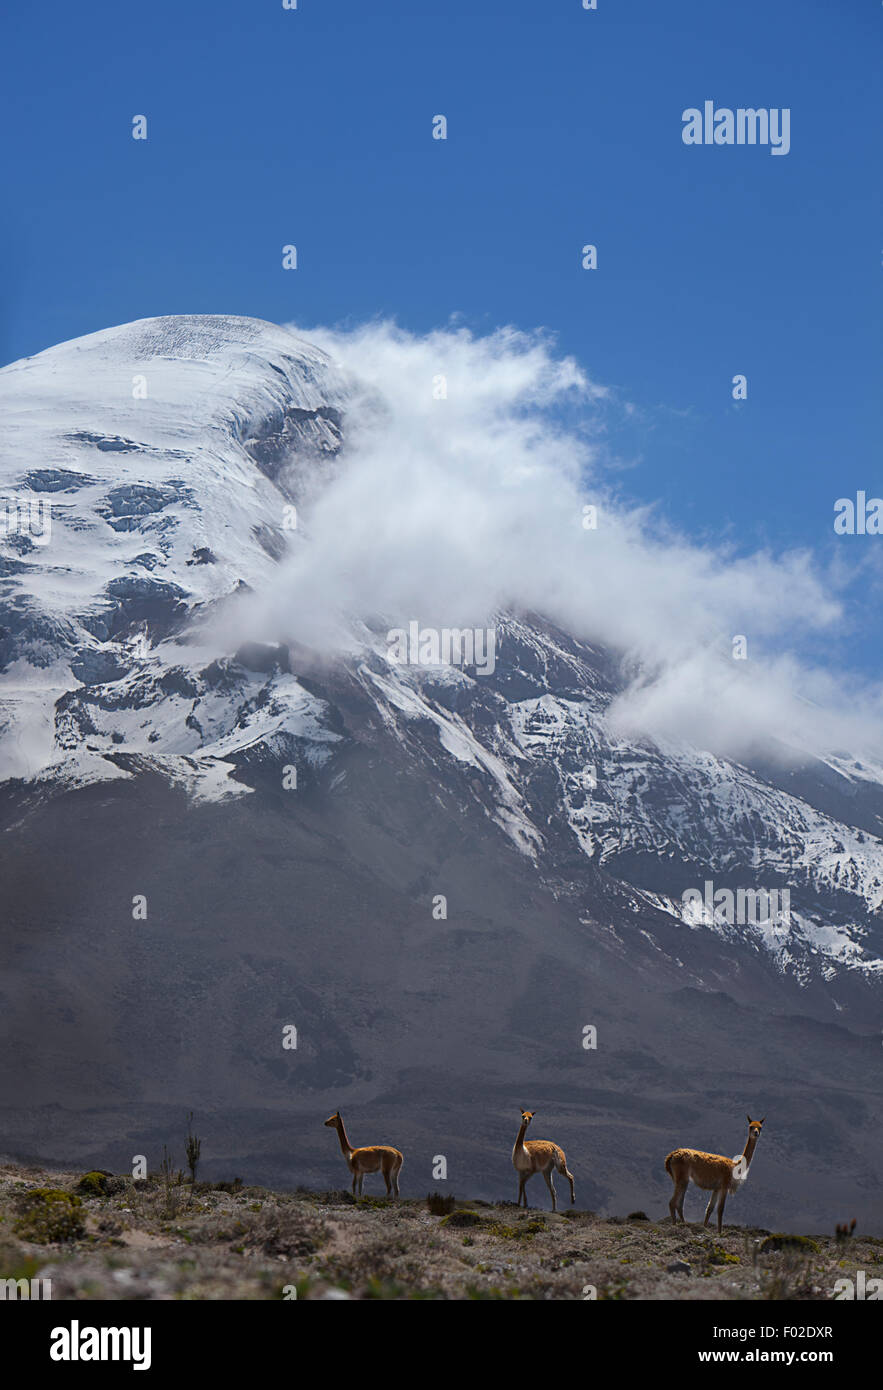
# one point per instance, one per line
(313, 127)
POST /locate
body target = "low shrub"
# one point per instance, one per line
(50, 1215)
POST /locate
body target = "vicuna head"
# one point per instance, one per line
(754, 1128)
(526, 1116)
(332, 1119)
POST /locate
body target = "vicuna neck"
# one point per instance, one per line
(344, 1142)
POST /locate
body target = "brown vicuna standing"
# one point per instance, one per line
(370, 1159)
(710, 1171)
(538, 1156)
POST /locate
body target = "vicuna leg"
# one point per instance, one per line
(710, 1208)
(522, 1179)
(547, 1174)
(673, 1204)
(395, 1178)
(681, 1195)
(355, 1180)
(720, 1209)
(569, 1177)
(676, 1205)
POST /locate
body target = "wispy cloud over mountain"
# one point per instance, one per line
(463, 489)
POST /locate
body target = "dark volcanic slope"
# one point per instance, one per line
(317, 912)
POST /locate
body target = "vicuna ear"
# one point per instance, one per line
(763, 1119)
(749, 1119)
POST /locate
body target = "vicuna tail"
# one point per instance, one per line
(668, 1167)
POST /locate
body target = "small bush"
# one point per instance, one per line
(93, 1184)
(463, 1218)
(525, 1230)
(50, 1215)
(14, 1264)
(783, 1241)
(439, 1204)
(717, 1256)
(192, 1149)
(170, 1183)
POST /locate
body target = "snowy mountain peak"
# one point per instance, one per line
(173, 454)
(161, 451)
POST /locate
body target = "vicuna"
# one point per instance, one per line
(710, 1171)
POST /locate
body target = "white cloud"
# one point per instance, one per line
(448, 510)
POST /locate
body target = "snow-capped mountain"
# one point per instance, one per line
(162, 506)
(172, 454)
(178, 457)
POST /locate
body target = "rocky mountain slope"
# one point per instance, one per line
(148, 754)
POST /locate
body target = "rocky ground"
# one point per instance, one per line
(98, 1236)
